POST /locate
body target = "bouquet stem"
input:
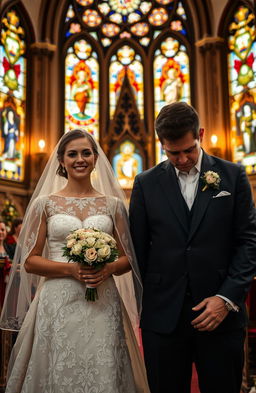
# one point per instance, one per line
(91, 294)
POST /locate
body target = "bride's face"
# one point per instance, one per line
(79, 158)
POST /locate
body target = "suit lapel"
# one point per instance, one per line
(202, 197)
(170, 187)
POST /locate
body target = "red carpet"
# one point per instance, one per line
(194, 384)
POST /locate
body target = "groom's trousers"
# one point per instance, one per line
(218, 356)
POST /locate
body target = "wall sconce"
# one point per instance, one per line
(214, 140)
(41, 145)
(40, 156)
(214, 149)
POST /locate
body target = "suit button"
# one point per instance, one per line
(188, 248)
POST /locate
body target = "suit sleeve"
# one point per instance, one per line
(242, 268)
(139, 226)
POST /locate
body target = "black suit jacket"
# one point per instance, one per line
(214, 253)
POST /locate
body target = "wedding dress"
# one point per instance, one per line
(68, 344)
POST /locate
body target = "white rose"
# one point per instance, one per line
(83, 235)
(90, 255)
(112, 243)
(104, 252)
(100, 243)
(110, 240)
(76, 249)
(98, 235)
(210, 179)
(88, 234)
(70, 243)
(90, 241)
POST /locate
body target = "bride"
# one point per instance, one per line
(67, 344)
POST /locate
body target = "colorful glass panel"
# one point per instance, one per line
(158, 17)
(140, 29)
(116, 18)
(127, 163)
(134, 17)
(164, 2)
(124, 7)
(126, 63)
(70, 13)
(177, 25)
(242, 87)
(74, 28)
(145, 6)
(82, 88)
(104, 8)
(13, 70)
(171, 79)
(181, 11)
(85, 2)
(91, 18)
(110, 30)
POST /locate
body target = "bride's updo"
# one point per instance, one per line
(68, 137)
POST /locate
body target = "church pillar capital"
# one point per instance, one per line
(43, 48)
(209, 43)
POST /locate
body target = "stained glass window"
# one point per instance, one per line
(242, 87)
(126, 63)
(127, 163)
(134, 19)
(171, 78)
(123, 34)
(12, 97)
(82, 88)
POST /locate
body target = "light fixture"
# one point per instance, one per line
(41, 144)
(214, 140)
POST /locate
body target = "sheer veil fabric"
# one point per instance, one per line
(23, 288)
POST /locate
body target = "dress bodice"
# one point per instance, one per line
(65, 214)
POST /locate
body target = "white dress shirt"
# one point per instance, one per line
(188, 182)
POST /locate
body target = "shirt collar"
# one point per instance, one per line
(196, 169)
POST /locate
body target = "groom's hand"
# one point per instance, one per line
(214, 311)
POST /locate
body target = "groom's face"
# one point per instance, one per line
(183, 153)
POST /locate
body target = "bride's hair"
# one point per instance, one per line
(68, 137)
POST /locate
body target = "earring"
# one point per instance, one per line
(64, 171)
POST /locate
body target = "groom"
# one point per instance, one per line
(194, 231)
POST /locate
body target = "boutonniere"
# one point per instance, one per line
(211, 180)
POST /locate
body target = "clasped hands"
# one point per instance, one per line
(91, 276)
(213, 314)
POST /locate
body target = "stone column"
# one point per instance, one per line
(39, 111)
(212, 100)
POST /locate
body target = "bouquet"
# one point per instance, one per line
(90, 247)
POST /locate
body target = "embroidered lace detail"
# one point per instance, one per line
(77, 346)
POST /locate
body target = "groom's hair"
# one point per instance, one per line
(175, 120)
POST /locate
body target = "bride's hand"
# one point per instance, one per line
(95, 277)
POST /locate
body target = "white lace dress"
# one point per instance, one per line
(77, 346)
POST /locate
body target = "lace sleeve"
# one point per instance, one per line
(22, 285)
